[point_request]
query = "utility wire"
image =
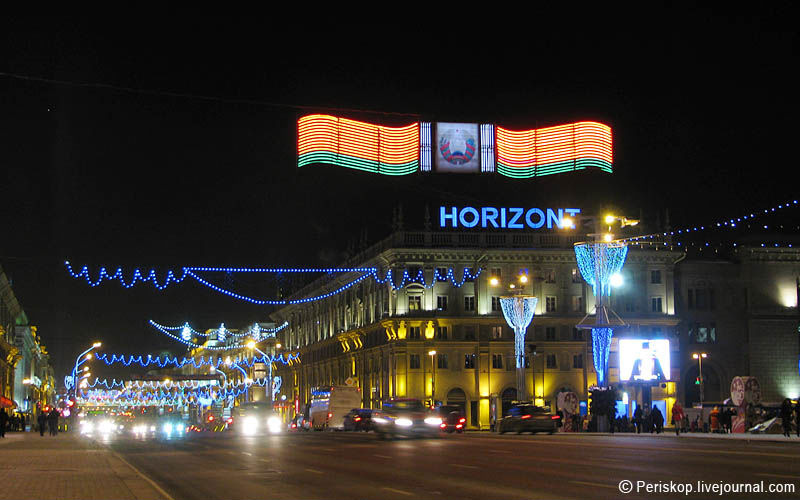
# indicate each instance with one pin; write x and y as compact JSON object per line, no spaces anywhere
{"x":106,"y":86}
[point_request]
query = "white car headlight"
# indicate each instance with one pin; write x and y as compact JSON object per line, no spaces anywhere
{"x":249,"y":425}
{"x":380,"y":420}
{"x":106,"y":427}
{"x":168,"y":428}
{"x":274,"y":424}
{"x":404,"y":422}
{"x":152,"y":428}
{"x":433,"y":421}
{"x":87,"y":427}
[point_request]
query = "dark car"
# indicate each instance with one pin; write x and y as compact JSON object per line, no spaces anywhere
{"x":406,"y":417}
{"x":529,"y":418}
{"x":358,"y":419}
{"x":453,"y":418}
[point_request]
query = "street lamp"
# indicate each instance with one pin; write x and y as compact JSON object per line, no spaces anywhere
{"x":699,"y":356}
{"x":79,"y":362}
{"x":432,"y":354}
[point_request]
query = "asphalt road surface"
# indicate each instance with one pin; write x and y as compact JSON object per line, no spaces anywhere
{"x":480,"y":466}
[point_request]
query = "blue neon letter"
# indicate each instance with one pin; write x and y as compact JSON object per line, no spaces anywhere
{"x":443,"y":216}
{"x":489,"y":214}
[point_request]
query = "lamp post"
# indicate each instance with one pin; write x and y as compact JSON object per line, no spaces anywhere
{"x":432,"y":354}
{"x":229,"y":364}
{"x":699,"y":356}
{"x":79,"y":362}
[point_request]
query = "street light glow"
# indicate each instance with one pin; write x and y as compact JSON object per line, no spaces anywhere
{"x":494,"y":281}
{"x":523,"y":278}
{"x":251,"y":344}
{"x":432,"y":353}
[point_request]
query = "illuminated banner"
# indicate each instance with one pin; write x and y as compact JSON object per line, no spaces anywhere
{"x":643,"y":360}
{"x":503,"y":218}
{"x":459,"y":147}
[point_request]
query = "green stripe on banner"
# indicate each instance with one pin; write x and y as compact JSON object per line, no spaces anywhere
{"x":358,"y":163}
{"x":553,"y":168}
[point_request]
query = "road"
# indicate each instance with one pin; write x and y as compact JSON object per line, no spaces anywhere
{"x":480,"y":466}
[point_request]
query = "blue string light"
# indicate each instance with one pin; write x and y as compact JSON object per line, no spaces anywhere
{"x":199,"y":362}
{"x":601,"y":347}
{"x":365,"y":272}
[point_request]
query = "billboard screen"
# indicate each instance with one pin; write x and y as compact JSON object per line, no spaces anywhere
{"x":457,"y":148}
{"x":643,"y":360}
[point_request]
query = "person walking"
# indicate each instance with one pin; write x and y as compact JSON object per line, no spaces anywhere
{"x":786,"y":417}
{"x":3,"y":422}
{"x":797,"y":417}
{"x":637,"y":419}
{"x":52,"y":422}
{"x":677,"y":417}
{"x":658,"y":419}
{"x":41,"y":420}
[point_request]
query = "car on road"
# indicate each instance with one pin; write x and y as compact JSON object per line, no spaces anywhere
{"x":330,"y":404}
{"x":453,"y":418}
{"x":257,"y":418}
{"x":406,"y":417}
{"x":358,"y":419}
{"x":299,"y":423}
{"x":526,"y":417}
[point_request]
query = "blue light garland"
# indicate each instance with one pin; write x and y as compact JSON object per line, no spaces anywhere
{"x":598,"y":262}
{"x":601,"y":347}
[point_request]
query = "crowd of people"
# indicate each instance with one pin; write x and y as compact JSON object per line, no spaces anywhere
{"x":46,"y":420}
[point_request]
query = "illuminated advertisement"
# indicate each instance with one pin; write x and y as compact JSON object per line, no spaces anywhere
{"x":457,"y":148}
{"x":504,"y":218}
{"x":643,"y":360}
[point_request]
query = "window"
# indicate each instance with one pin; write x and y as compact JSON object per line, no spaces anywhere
{"x":441,"y":302}
{"x":550,"y":333}
{"x":469,"y":333}
{"x":550,"y":304}
{"x":413,"y":361}
{"x":655,"y":277}
{"x":703,"y":334}
{"x":469,"y":361}
{"x":441,"y":332}
{"x":441,"y":274}
{"x":413,"y":272}
{"x":511,"y":363}
{"x":414,"y":302}
{"x":550,"y":276}
{"x":413,"y":333}
{"x":577,"y":360}
{"x":497,"y":272}
{"x":497,"y":332}
{"x":656,"y":304}
{"x":469,"y":303}
{"x":496,"y":304}
{"x":497,"y":361}
{"x":551,"y":361}
{"x":441,"y":361}
{"x":576,"y":275}
{"x":630,"y":306}
{"x":701,"y":299}
{"x":577,"y":303}
{"x":577,"y":334}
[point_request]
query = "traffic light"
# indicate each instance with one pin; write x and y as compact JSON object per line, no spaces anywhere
{"x":697,"y":381}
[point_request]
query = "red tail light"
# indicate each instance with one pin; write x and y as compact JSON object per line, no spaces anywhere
{"x":294,"y":426}
{"x":525,"y":416}
{"x":443,"y":426}
{"x":330,"y":415}
{"x":555,"y":417}
{"x":357,"y":419}
{"x":230,"y":420}
{"x":462,"y":420}
{"x":458,"y":426}
{"x":211,"y":418}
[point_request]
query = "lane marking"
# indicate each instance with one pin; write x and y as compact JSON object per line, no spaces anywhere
{"x":464,"y":466}
{"x":396,"y":491}
{"x":137,"y":471}
{"x":315,"y":471}
{"x":248,"y":454}
{"x":383,"y":456}
{"x":598,"y":485}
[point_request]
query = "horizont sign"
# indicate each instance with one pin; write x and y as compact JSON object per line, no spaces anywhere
{"x":504,"y":218}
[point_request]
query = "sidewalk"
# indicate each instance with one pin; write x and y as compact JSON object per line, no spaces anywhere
{"x":67,"y":466}
{"x":670,"y":434}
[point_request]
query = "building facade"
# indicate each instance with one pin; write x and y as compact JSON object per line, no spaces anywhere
{"x":382,"y":337}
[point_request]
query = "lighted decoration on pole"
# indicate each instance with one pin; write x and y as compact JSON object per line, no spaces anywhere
{"x":598,"y":262}
{"x":518,"y":311}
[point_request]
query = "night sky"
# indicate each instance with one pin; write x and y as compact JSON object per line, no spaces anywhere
{"x":173,"y":143}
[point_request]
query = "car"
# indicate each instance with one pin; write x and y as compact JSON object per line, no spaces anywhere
{"x":298,"y":423}
{"x":257,"y":418}
{"x":526,"y":417}
{"x":406,"y":417}
{"x":453,"y":418}
{"x":358,"y":419}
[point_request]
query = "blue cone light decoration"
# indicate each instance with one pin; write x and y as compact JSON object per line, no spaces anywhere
{"x":518,"y":311}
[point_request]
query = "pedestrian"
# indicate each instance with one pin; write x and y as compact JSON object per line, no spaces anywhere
{"x":3,"y":422}
{"x":658,"y":419}
{"x":41,"y":421}
{"x":637,"y":419}
{"x":612,"y":418}
{"x":786,"y":417}
{"x":52,"y":422}
{"x":677,"y":417}
{"x":797,"y":417}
